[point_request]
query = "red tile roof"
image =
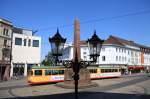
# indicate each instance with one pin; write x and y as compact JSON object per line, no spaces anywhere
{"x":120,"y":41}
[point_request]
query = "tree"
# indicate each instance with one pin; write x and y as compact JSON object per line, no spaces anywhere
{"x":49,"y":60}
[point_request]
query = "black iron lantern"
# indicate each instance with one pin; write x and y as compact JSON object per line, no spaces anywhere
{"x":57,"y":44}
{"x":95,"y":44}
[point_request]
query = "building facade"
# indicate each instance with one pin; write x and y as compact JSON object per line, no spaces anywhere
{"x":26,"y":51}
{"x":5,"y":48}
{"x":128,"y":55}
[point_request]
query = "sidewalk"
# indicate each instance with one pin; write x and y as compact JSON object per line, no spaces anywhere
{"x":128,"y":87}
{"x":133,"y":75}
{"x":13,"y":82}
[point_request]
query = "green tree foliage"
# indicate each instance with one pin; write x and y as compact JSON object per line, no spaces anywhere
{"x":49,"y":60}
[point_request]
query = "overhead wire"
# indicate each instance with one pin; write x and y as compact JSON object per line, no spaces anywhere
{"x":95,"y":20}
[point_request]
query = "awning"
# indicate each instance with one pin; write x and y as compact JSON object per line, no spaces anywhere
{"x":136,"y":67}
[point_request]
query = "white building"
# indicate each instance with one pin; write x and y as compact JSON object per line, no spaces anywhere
{"x":115,"y":51}
{"x":26,"y":51}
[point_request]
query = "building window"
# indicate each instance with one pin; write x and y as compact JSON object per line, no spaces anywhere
{"x":85,"y":58}
{"x":5,"y":32}
{"x":103,"y":49}
{"x":103,"y":58}
{"x":119,"y":49}
{"x":124,"y":50}
{"x":116,"y":49}
{"x":116,"y":58}
{"x":125,"y":59}
{"x":119,"y":58}
{"x":84,"y":48}
{"x":35,"y":43}
{"x":25,"y":41}
{"x":132,"y":54}
{"x":29,"y":42}
{"x":84,"y":52}
{"x":5,"y":42}
{"x":18,"y":41}
{"x":122,"y":58}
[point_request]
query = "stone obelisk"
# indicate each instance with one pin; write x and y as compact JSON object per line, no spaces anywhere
{"x":84,"y":74}
{"x":77,"y":39}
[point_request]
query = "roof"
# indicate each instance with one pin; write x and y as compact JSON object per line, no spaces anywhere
{"x":22,"y":31}
{"x":5,"y":21}
{"x":120,"y":41}
{"x":123,"y":42}
{"x":17,"y":30}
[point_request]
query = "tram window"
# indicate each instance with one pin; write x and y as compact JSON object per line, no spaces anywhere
{"x":61,"y":71}
{"x":55,"y":72}
{"x":109,"y":70}
{"x":112,"y":70}
{"x":102,"y":70}
{"x":48,"y":72}
{"x":116,"y":70}
{"x":38,"y":72}
{"x":93,"y":70}
{"x":90,"y":70}
{"x":106,"y":70}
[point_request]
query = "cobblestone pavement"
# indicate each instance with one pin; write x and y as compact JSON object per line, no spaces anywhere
{"x":126,"y":87}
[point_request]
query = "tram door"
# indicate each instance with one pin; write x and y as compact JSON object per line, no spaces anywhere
{"x":18,"y":70}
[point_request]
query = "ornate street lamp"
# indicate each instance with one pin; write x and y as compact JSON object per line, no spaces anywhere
{"x":57,"y":43}
{"x":94,"y":44}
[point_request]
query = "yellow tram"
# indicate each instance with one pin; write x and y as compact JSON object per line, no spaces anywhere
{"x":47,"y":74}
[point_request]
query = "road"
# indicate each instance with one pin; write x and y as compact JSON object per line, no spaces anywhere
{"x":130,"y":87}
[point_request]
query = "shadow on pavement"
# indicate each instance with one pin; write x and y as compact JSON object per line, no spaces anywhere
{"x":88,"y":95}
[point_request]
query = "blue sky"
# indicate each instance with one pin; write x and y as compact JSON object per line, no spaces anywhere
{"x":46,"y":15}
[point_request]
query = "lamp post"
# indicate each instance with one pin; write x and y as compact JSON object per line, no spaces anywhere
{"x":57,"y":45}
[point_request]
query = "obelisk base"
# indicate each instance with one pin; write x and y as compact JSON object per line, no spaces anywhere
{"x":84,"y":79}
